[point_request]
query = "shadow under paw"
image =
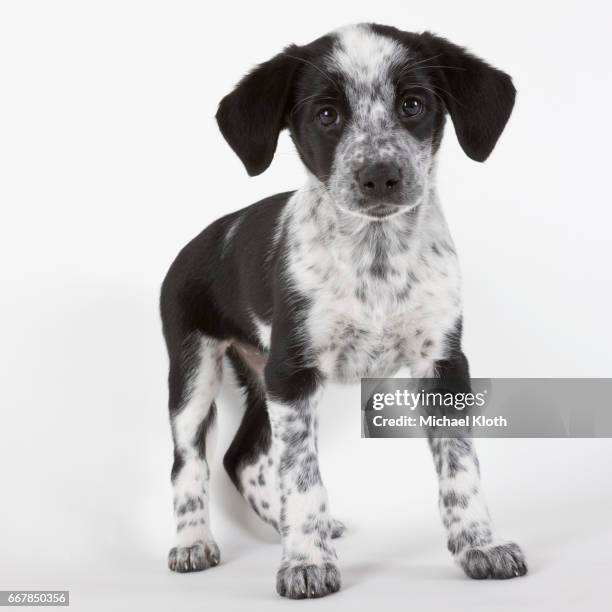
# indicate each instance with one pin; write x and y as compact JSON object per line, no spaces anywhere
{"x":499,"y":561}
{"x":195,"y":558}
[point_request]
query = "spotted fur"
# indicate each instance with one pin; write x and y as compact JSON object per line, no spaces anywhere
{"x":193,"y":422}
{"x":353,"y":275}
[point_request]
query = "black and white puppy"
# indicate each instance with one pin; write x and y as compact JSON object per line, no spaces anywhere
{"x":353,"y":275}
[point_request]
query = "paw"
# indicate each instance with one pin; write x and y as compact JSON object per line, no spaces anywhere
{"x":338,"y":529}
{"x":493,"y":561}
{"x":196,"y":558}
{"x":307,"y":581}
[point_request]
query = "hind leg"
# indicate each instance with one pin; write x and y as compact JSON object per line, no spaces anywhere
{"x":249,"y":460}
{"x":195,"y":377}
{"x":249,"y":463}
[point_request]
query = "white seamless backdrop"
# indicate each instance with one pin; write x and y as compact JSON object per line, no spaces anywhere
{"x":110,"y":161}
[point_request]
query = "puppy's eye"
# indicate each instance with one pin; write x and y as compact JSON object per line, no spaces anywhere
{"x":412,"y":107}
{"x":328,"y":116}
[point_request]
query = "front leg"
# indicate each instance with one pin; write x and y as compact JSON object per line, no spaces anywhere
{"x":462,"y":505}
{"x":308,"y":566}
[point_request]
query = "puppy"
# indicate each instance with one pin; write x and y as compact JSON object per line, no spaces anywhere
{"x":353,"y":275}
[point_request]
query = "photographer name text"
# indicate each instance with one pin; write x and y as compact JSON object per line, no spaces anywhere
{"x":443,"y":421}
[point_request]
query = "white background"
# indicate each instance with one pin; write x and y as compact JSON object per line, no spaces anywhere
{"x":110,"y":161}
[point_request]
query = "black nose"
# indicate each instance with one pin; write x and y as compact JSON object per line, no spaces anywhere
{"x":379,"y":181}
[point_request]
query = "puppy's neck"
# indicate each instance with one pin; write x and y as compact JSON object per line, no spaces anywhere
{"x":328,"y":246}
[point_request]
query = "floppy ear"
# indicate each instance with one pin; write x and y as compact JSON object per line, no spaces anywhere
{"x":478,"y":97}
{"x":252,"y":116}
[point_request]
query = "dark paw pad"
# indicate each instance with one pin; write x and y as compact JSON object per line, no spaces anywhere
{"x":196,"y":558}
{"x":307,"y":581}
{"x":494,"y":561}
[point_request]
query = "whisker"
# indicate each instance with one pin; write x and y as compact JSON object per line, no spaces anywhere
{"x":313,"y":96}
{"x":448,"y":93}
{"x":419,"y":86}
{"x":308,"y":99}
{"x":309,"y":63}
{"x":438,"y":87}
{"x":441,"y":66}
{"x":428,"y":59}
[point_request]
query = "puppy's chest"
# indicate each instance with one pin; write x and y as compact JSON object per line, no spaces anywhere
{"x":364,"y":325}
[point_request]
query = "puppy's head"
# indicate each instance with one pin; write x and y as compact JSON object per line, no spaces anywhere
{"x":365,"y":107}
